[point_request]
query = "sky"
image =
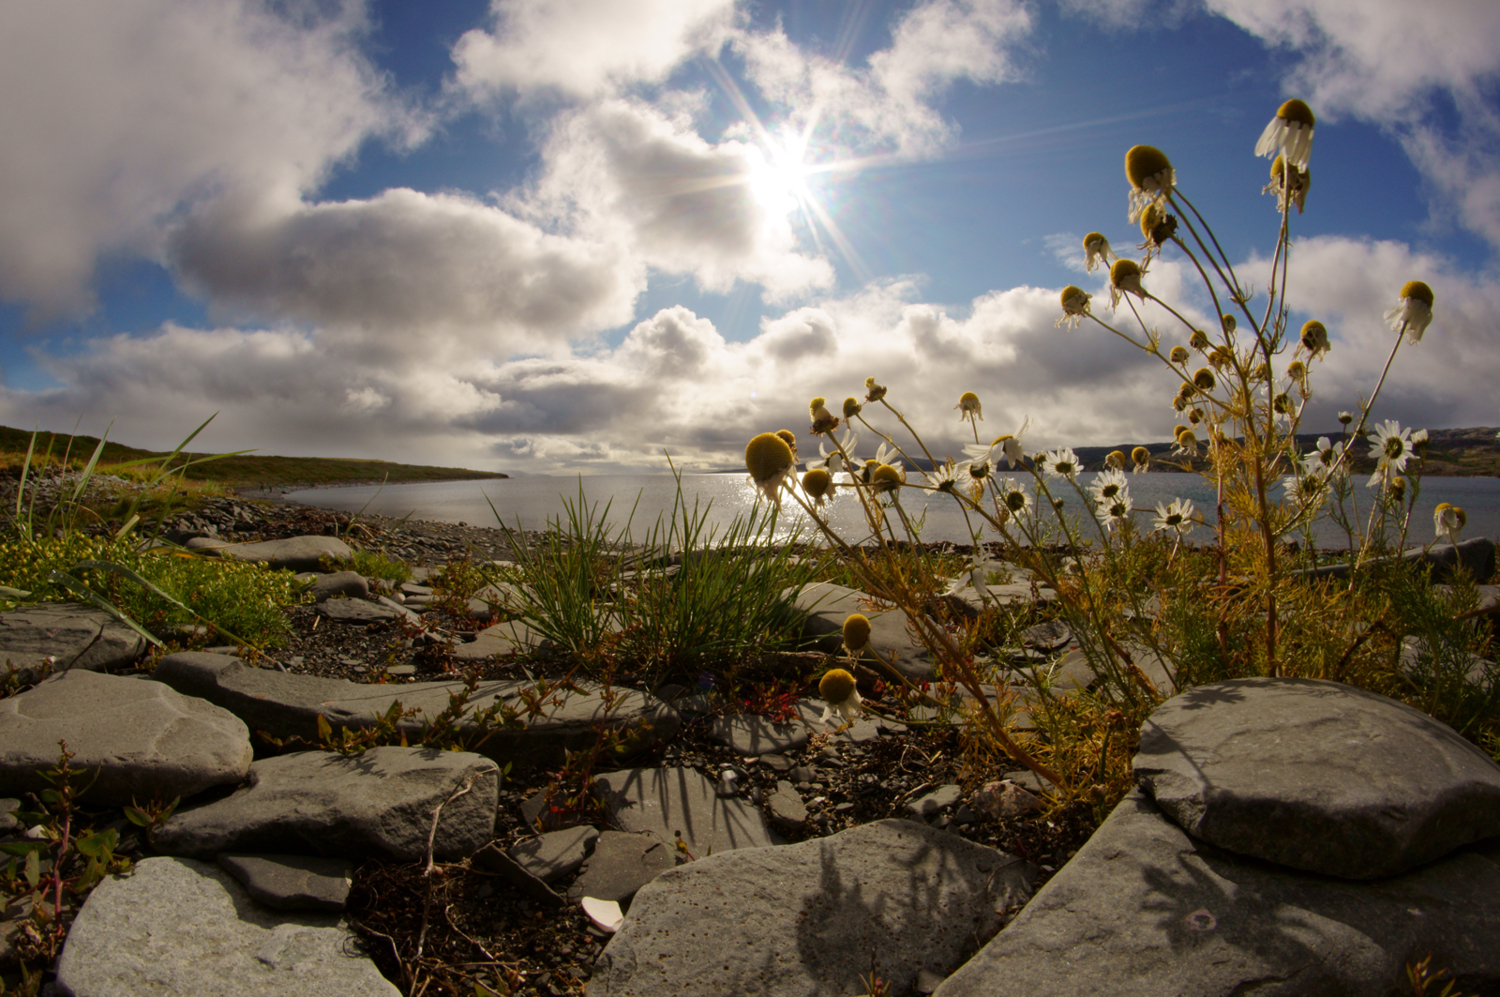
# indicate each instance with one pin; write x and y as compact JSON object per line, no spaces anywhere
{"x":578,"y":236}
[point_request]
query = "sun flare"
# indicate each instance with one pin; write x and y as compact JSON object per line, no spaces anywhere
{"x":778,"y":178}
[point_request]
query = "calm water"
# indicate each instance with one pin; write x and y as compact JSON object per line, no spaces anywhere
{"x":532,"y":502}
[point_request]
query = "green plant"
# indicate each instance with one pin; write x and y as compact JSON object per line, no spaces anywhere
{"x":371,"y":564}
{"x":50,"y":877}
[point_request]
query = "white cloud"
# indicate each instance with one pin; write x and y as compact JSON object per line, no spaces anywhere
{"x":888,"y":106}
{"x":621,"y":172}
{"x":469,"y":275}
{"x":587,"y":47}
{"x":1397,"y":64}
{"x":118,"y":114}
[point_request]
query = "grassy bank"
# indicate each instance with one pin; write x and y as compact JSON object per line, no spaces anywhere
{"x":243,"y":471}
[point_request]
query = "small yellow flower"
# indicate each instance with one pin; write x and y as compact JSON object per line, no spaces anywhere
{"x":873,"y":392}
{"x":968,"y":406}
{"x":1414,"y":314}
{"x":1141,"y":458}
{"x":1097,"y":251}
{"x":1151,"y":177}
{"x":852,"y":407}
{"x":823,"y":421}
{"x":1198,"y":340}
{"x":1125,"y":278}
{"x":856,"y":633}
{"x":840,"y":695}
{"x":818,"y":484}
{"x":769,"y":460}
{"x":1179,"y":355}
{"x":1290,"y":133}
{"x":1115,"y":459}
{"x":1315,"y":338}
{"x":1075,"y":305}
{"x":1289,"y":184}
{"x":886,"y":479}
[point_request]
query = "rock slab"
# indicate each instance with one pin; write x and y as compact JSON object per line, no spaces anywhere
{"x":59,"y":636}
{"x":811,"y":918}
{"x":663,"y":803}
{"x":1317,"y":775}
{"x":144,"y":739}
{"x":178,"y":928}
{"x":1144,"y":910}
{"x":293,"y":882}
{"x":378,"y":804}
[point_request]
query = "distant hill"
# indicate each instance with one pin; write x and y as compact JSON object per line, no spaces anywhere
{"x":247,"y":470}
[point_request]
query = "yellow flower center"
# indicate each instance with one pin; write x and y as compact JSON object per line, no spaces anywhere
{"x":1298,"y":111}
{"x":1143,"y":166}
{"x":836,"y":685}
{"x":1418,"y":291}
{"x":856,"y":635}
{"x":766,"y":456}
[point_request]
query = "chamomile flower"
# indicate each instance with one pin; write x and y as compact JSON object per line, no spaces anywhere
{"x":1157,"y":228}
{"x":1125,"y":278}
{"x":1289,"y":184}
{"x":1176,"y":516}
{"x":1151,"y":177}
{"x":887,"y":480}
{"x":873,"y":392}
{"x":1307,"y":489}
{"x":1289,"y":134}
{"x":769,"y":460}
{"x":1187,"y":443}
{"x":1448,"y":520}
{"x":1063,"y":463}
{"x":1109,"y":485}
{"x":823,"y":421}
{"x":971,"y":475}
{"x":1346,"y":417}
{"x":1326,"y":459}
{"x":943,"y":478}
{"x":1315,"y":339}
{"x":834,"y":461}
{"x":1097,"y":251}
{"x":969,"y":408}
{"x":817,"y":483}
{"x":1006,"y":447}
{"x":1115,"y":459}
{"x":852,"y":408}
{"x":1014,"y":499}
{"x":1140,"y":457}
{"x":856,"y":633}
{"x":840,"y":695}
{"x":1414,"y":314}
{"x":1075,"y":306}
{"x":1391,"y":446}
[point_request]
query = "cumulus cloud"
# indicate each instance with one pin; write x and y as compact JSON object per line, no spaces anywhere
{"x":587,"y":47}
{"x":119,"y":114}
{"x":467,"y":274}
{"x":888,"y":106}
{"x":623,"y":172}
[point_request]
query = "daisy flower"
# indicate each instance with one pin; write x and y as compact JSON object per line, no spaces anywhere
{"x":834,"y":460}
{"x":1063,"y":463}
{"x":1289,"y":184}
{"x":1308,"y":489}
{"x":769,"y":460}
{"x":944,"y":478}
{"x":972,"y":474}
{"x":1326,"y":458}
{"x":1075,"y":306}
{"x":1006,"y":447}
{"x":1392,"y":446}
{"x":823,"y":421}
{"x":1125,"y":278}
{"x":1014,"y":499}
{"x":840,"y":695}
{"x":1115,"y":459}
{"x":1098,"y":252}
{"x":1448,"y":520}
{"x":1109,"y":485}
{"x":856,"y":633}
{"x":1112,"y":505}
{"x":1151,"y":177}
{"x":873,"y":392}
{"x":1346,"y":417}
{"x":818,"y":484}
{"x":1414,"y":314}
{"x":1140,"y":457}
{"x":1187,"y":443}
{"x":1176,"y":516}
{"x":1315,"y":338}
{"x":1290,"y":134}
{"x":969,"y":408}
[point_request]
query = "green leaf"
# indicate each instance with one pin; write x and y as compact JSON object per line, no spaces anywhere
{"x":325,"y":730}
{"x":33,"y":870}
{"x":98,"y":844}
{"x":22,"y":847}
{"x":137,"y":816}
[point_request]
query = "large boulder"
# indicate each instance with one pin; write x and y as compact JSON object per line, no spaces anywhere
{"x":293,"y":553}
{"x":178,"y":928}
{"x":378,"y":804}
{"x":894,"y":898}
{"x":140,"y":738}
{"x":1144,"y":910}
{"x":1317,"y":775}
{"x":681,"y":803}
{"x":57,"y":636}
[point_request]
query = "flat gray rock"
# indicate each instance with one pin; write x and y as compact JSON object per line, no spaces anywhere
{"x":556,"y":854}
{"x":829,"y":605}
{"x":378,"y":804}
{"x":662,"y":802}
{"x":349,"y":583}
{"x":178,"y":928}
{"x":1317,"y":775}
{"x":785,"y":805}
{"x":1144,"y":910}
{"x":70,"y":635}
{"x":143,"y":738}
{"x":292,"y":553}
{"x":812,"y":918}
{"x":1072,"y":671}
{"x":503,"y":640}
{"x":357,"y":611}
{"x":621,"y":864}
{"x":293,"y":882}
{"x":285,"y":706}
{"x":931,"y":804}
{"x":748,"y":734}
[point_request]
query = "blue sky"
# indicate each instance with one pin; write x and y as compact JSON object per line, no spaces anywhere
{"x":552,"y":236}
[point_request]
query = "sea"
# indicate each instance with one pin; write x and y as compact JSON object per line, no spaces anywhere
{"x":636,"y":502}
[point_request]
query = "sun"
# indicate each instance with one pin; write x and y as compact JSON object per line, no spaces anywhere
{"x":778,"y":175}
